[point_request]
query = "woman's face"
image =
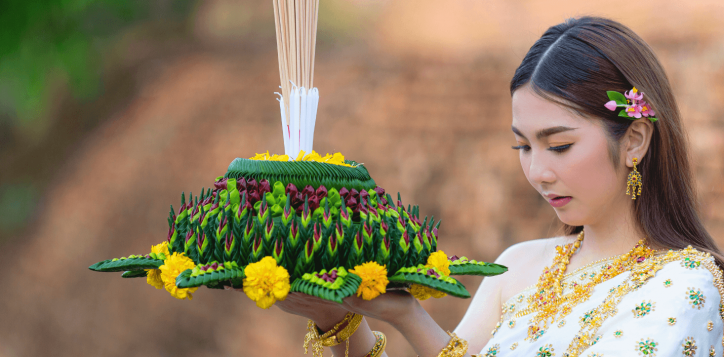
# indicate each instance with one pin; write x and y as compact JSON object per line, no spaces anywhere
{"x":566,"y":159}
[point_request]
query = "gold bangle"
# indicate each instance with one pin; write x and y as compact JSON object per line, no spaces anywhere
{"x":455,"y":348}
{"x":333,"y":337}
{"x":379,"y":346}
{"x":343,"y":334}
{"x":334,"y":330}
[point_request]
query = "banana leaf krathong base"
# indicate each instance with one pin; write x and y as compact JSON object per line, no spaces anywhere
{"x":303,"y":226}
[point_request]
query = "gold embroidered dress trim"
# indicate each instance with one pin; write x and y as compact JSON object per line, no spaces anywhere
{"x":638,"y":277}
{"x":515,"y":306}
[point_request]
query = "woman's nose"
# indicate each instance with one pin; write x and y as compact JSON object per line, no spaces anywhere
{"x":539,"y":170}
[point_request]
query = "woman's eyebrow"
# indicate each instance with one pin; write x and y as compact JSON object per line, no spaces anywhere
{"x":544,"y":132}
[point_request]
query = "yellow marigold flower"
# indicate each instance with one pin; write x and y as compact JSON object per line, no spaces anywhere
{"x":160,"y":248}
{"x":265,"y":282}
{"x":266,"y":156}
{"x":440,"y":261}
{"x":374,"y":280}
{"x":153,"y":277}
{"x":171,"y":268}
{"x":437,"y":260}
{"x":421,"y":292}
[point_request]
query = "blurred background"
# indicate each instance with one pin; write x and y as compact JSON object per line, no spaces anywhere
{"x":109,"y":110}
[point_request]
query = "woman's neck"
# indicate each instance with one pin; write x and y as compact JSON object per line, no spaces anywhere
{"x":614,"y":234}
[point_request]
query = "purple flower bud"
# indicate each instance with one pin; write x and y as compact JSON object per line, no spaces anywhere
{"x":355,"y":193}
{"x":367,"y":229}
{"x":433,"y":272}
{"x":344,"y":192}
{"x":308,"y":191}
{"x":453,"y":258}
{"x":298,"y":202}
{"x":313,"y":203}
{"x":215,"y":265}
{"x":291,"y":189}
{"x":221,"y":184}
{"x":200,"y":240}
{"x":229,"y":241}
{"x":252,"y":186}
{"x":359,"y":241}
{"x":264,"y":187}
{"x":352,"y":203}
{"x":362,"y":208}
{"x":253,"y":197}
{"x":380,"y":191}
{"x":386,"y":242}
{"x":317,"y":233}
{"x":321,"y":192}
{"x":364,"y":194}
{"x":241,"y":184}
{"x":223,"y":222}
{"x":171,"y":230}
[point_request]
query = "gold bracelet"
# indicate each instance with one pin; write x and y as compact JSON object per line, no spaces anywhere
{"x":334,"y":330}
{"x":455,"y":348}
{"x":343,"y":334}
{"x":379,"y":346}
{"x":313,"y":337}
{"x":332,"y":337}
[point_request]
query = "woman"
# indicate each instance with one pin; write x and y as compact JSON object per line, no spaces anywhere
{"x":621,"y":280}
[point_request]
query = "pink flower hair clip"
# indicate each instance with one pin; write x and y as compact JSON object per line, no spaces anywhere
{"x":633,"y":101}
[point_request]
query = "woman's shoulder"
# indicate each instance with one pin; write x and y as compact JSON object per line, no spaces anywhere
{"x":671,"y":303}
{"x":525,"y":262}
{"x":688,"y":263}
{"x":684,"y":280}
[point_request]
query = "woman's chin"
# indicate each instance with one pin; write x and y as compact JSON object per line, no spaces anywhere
{"x":571,"y":219}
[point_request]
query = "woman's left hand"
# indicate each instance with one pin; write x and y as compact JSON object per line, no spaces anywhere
{"x":324,"y":313}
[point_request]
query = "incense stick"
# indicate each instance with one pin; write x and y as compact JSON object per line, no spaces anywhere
{"x":296,"y":32}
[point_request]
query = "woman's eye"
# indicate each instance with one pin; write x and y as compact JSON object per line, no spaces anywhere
{"x":561,"y":148}
{"x":524,"y":147}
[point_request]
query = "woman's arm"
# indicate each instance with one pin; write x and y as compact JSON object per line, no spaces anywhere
{"x":427,"y":338}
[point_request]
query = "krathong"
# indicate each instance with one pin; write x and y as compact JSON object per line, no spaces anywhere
{"x":299,"y":222}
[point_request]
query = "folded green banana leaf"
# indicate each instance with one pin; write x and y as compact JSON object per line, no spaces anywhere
{"x":419,"y":275}
{"x":333,"y":285}
{"x":134,"y":274}
{"x":463,"y":266}
{"x":212,"y":275}
{"x":134,"y":262}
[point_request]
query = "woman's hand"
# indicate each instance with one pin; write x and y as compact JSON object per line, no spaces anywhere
{"x":324,"y":313}
{"x":393,"y":307}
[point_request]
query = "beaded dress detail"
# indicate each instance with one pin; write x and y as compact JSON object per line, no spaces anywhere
{"x":666,"y":303}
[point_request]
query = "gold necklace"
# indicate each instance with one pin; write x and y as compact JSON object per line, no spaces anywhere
{"x":548,"y":299}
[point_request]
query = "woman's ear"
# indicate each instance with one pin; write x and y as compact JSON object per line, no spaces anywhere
{"x":638,"y":138}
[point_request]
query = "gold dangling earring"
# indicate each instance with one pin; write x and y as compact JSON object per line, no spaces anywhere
{"x":634,"y":182}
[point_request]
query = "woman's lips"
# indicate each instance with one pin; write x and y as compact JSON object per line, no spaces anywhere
{"x":559,"y":201}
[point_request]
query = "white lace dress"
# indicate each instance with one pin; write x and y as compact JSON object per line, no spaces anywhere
{"x":669,"y":305}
